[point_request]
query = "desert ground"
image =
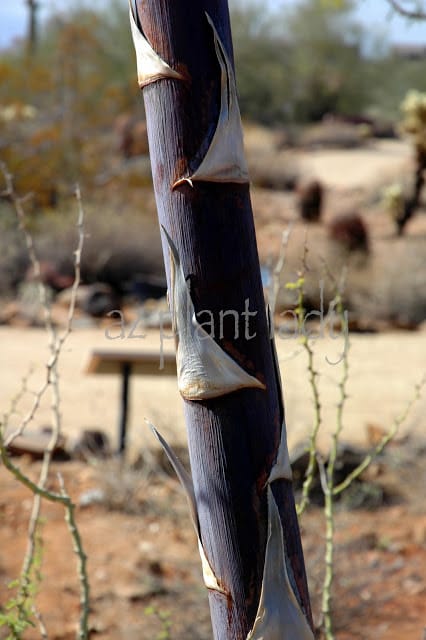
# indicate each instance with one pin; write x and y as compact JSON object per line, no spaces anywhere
{"x":384,"y":370}
{"x":145,"y":576}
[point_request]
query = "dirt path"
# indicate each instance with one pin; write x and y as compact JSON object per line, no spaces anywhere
{"x":139,"y":540}
{"x":357,"y":168}
{"x":384,"y":369}
{"x":144,"y":568}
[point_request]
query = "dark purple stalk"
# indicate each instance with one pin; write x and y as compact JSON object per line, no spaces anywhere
{"x":234,"y":438}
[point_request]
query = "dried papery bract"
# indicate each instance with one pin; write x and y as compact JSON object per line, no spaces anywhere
{"x":224,"y":160}
{"x":150,"y":66}
{"x":182,"y":474}
{"x":210,"y":580}
{"x":282,"y":467}
{"x":204,"y":369}
{"x":279,"y":615}
{"x":209,"y":577}
{"x":25,"y":583}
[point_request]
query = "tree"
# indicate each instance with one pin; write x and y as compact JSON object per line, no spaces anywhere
{"x":326,"y":44}
{"x":240,"y":489}
{"x":413,"y":10}
{"x":32,"y":37}
{"x":299,"y":63}
{"x":263,"y":64}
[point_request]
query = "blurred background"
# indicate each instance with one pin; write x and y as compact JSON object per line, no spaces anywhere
{"x":321,"y":84}
{"x":333,"y":101}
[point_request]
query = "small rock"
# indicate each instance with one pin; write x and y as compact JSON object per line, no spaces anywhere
{"x":91,"y":443}
{"x":414,"y":585}
{"x":100,"y":300}
{"x":90,"y":497}
{"x":145,"y":547}
{"x":94,"y":299}
{"x":138,"y":592}
{"x":97,"y":626}
{"x":363,"y":542}
{"x":349,"y":231}
{"x":9,"y":312}
{"x":35,"y":443}
{"x":156,"y":568}
{"x":311,"y":198}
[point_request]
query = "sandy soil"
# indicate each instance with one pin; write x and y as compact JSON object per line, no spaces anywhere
{"x":140,"y":544}
{"x":384,"y":369}
{"x":383,"y":160}
{"x":142,"y":553}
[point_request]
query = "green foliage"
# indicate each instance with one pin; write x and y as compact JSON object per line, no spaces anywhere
{"x":293,"y":65}
{"x":17,"y":614}
{"x":164,"y":620}
{"x":326,"y":43}
{"x":300,"y":63}
{"x":393,"y":200}
{"x":262,"y":62}
{"x":390,"y":79}
{"x":332,"y":489}
{"x":57,"y":108}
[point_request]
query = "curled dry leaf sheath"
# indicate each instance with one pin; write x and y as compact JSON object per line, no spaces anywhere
{"x":209,"y":577}
{"x":204,"y":369}
{"x":224,"y":160}
{"x":150,"y":67}
{"x":279,"y":616}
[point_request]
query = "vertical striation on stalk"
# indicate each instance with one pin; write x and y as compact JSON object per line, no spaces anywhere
{"x":227,"y":375}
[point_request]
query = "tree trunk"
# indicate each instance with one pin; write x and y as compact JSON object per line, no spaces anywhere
{"x":226,"y":368}
{"x":32,"y":36}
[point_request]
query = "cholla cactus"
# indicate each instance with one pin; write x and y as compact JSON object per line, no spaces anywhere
{"x":393,"y":200}
{"x":414,"y":124}
{"x":413,"y":108}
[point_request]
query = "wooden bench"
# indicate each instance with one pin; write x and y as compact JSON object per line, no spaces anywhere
{"x":126,"y":363}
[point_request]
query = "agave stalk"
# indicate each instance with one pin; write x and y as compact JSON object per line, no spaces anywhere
{"x":239,"y":489}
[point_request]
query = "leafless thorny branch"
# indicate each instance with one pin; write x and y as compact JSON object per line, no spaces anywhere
{"x":390,"y":435}
{"x":317,"y":422}
{"x":275,"y":285}
{"x":414,"y":14}
{"x":41,"y":625}
{"x":327,"y":482}
{"x":56,"y":343}
{"x":315,"y":461}
{"x":313,"y":375}
{"x":274,"y":290}
{"x":64,"y":499}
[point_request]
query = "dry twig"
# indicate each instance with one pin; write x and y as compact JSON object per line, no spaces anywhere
{"x":52,"y":381}
{"x":414,"y":14}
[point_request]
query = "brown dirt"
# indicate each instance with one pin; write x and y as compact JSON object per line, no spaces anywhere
{"x":148,"y":558}
{"x":139,"y":541}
